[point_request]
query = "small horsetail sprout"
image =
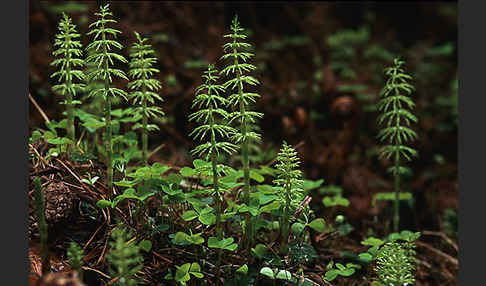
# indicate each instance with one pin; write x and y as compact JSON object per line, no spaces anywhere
{"x":124,"y":258}
{"x":75,"y":256}
{"x":69,"y":52}
{"x":144,"y":87}
{"x":395,"y":264}
{"x":40,"y":210}
{"x":237,"y":67}
{"x":394,"y":106}
{"x":289,"y":178}
{"x":103,"y":56}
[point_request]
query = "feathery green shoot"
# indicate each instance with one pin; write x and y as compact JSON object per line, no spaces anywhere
{"x":395,"y":105}
{"x":40,"y":213}
{"x":210,"y":103}
{"x":144,"y":87}
{"x":69,"y":60}
{"x":289,"y":178}
{"x":238,"y":69}
{"x":124,"y":258}
{"x":75,"y":256}
{"x":395,"y":264}
{"x":104,"y":42}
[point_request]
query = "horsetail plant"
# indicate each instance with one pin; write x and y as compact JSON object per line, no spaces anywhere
{"x":40,"y":213}
{"x":238,"y":68}
{"x":104,"y":57}
{"x":75,"y":256}
{"x":395,"y":264}
{"x":69,"y":60}
{"x":208,"y":97}
{"x":124,"y":258}
{"x":144,"y":87}
{"x":395,"y":105}
{"x":289,"y":179}
{"x":210,"y":102}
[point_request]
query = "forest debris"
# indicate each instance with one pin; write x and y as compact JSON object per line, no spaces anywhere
{"x":61,"y":279}
{"x":438,"y":252}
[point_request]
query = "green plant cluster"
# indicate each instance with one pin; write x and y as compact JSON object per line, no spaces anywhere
{"x":208,"y":205}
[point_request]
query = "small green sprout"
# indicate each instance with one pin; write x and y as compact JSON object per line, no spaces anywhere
{"x":289,"y":178}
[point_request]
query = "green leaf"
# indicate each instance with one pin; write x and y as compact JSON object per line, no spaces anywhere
{"x":371,"y":241}
{"x":259,"y":250}
{"x":104,"y":204}
{"x":180,"y":237}
{"x":207,"y":218}
{"x":297,"y":228}
{"x":173,"y":179}
{"x":284,"y":275}
{"x":337,"y":200}
{"x":267,"y":272}
{"x":256,"y":176}
{"x":366,"y":257}
{"x":189,"y":215}
{"x":409,"y":236}
{"x":264,"y":198}
{"x":188,"y":172}
{"x":126,"y":183}
{"x":242,"y":270}
{"x":59,"y":141}
{"x":318,"y":224}
{"x":275,"y":205}
{"x":145,"y":245}
{"x":182,"y":273}
{"x":309,"y":185}
{"x":331,"y":274}
{"x":226,"y":243}
{"x":195,"y":239}
{"x":198,"y":163}
{"x":159,"y":169}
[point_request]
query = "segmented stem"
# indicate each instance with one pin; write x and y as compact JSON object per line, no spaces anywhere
{"x":103,"y":56}
{"x":42,"y":225}
{"x":144,"y":88}
{"x":241,"y":100}
{"x":69,"y":50}
{"x":394,"y":105}
{"x":289,"y":178}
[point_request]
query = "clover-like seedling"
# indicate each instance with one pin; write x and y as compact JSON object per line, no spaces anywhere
{"x":238,"y":69}
{"x":395,"y":105}
{"x":144,"y":87}
{"x":289,"y":178}
{"x":103,"y":45}
{"x":70,"y":64}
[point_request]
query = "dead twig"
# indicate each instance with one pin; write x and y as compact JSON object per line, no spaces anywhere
{"x":443,"y":236}
{"x":449,"y":258}
{"x":46,"y":119}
